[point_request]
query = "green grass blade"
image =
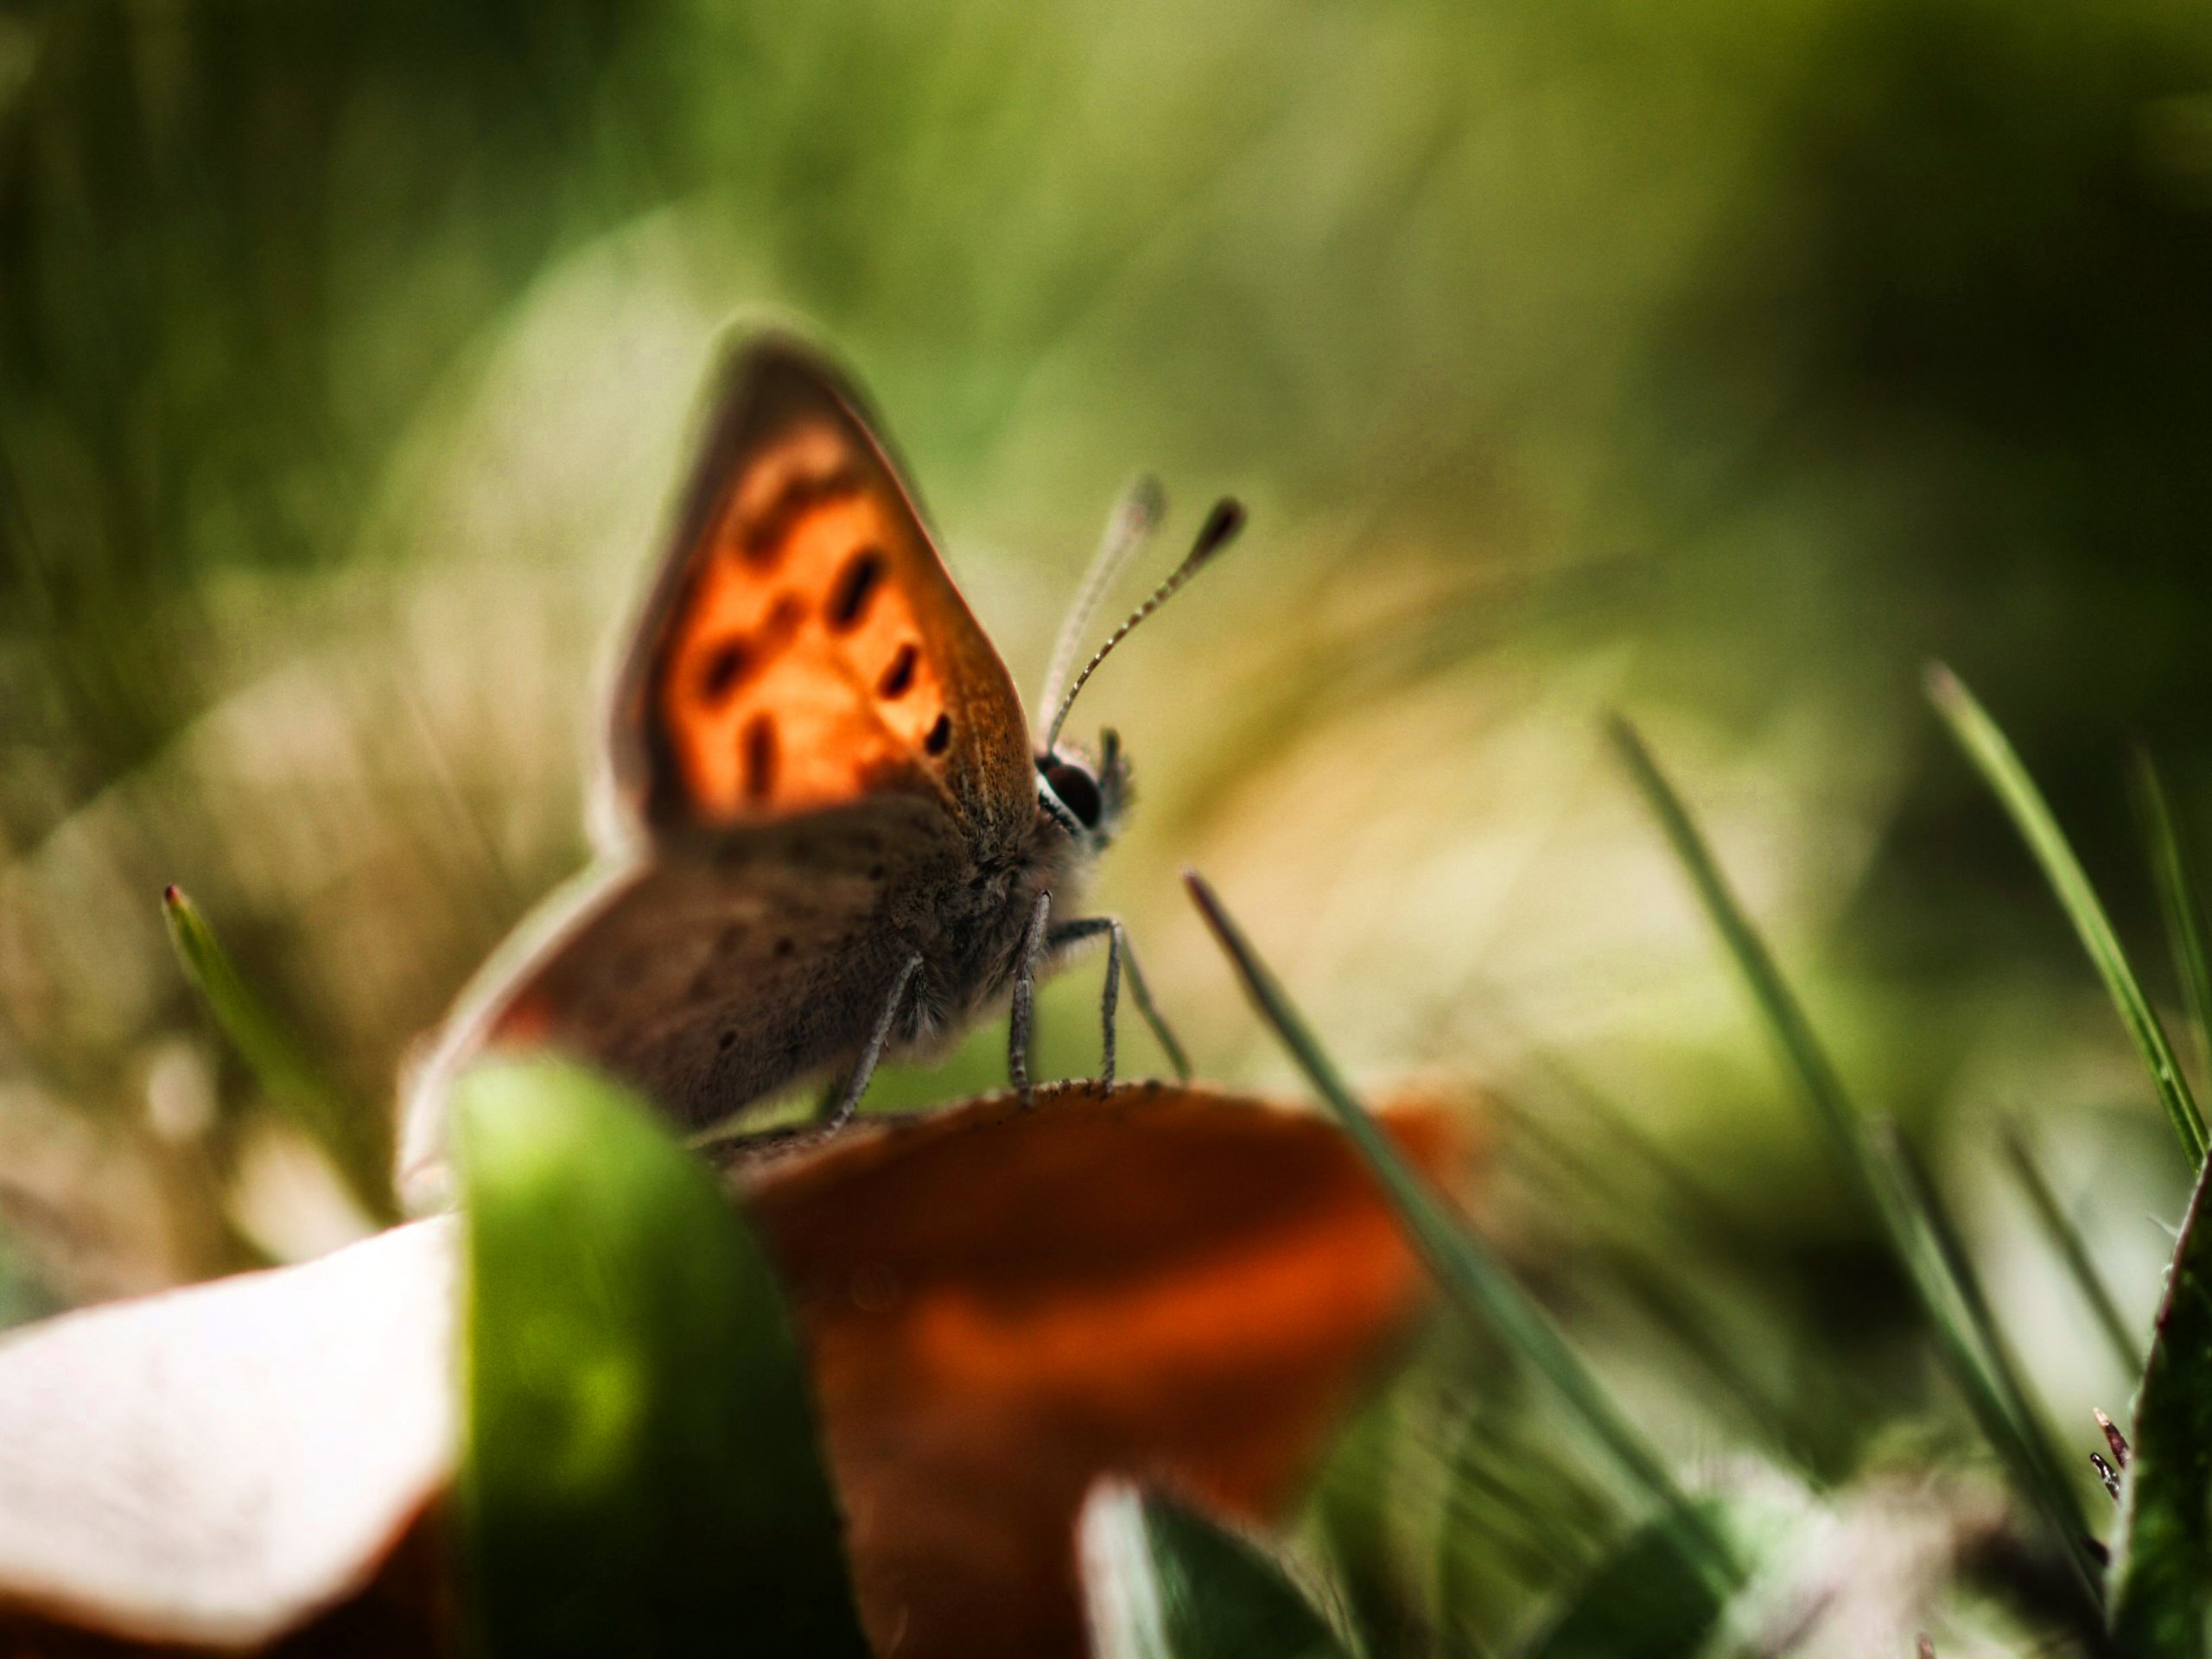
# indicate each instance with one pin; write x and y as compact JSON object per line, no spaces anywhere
{"x":1462,"y":1263}
{"x":1689,"y":1202}
{"x":2073,"y":1249}
{"x":351,"y":1137}
{"x":2162,"y":1557}
{"x":1785,"y":1021}
{"x":2002,"y":1416}
{"x":2178,"y":903}
{"x":1163,"y":1582}
{"x":2009,"y":1382}
{"x":1992,"y":755}
{"x":1657,"y":1277}
{"x":1657,"y":1289}
{"x":642,"y":1472}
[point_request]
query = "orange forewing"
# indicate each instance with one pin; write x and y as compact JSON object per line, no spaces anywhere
{"x":805,"y":645}
{"x":1002,"y":1305}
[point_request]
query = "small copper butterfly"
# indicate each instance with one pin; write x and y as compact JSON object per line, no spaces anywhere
{"x":833,"y":836}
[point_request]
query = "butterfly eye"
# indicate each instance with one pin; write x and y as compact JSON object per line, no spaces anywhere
{"x":1077,"y":789}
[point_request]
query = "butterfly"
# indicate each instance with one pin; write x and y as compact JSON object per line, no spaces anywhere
{"x":834,"y":838}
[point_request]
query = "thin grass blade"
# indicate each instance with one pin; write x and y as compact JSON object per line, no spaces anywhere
{"x":1463,"y":1264}
{"x":350,"y":1137}
{"x":1992,"y":755}
{"x":2178,"y":903}
{"x":2002,"y":1416}
{"x":2066,"y":1238}
{"x":2010,"y":1380}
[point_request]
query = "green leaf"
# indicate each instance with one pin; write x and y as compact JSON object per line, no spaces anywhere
{"x":642,"y":1472}
{"x":1647,"y":1601}
{"x":2001,"y":1409}
{"x":1163,"y":1582}
{"x":349,"y":1135}
{"x":1463,"y":1264}
{"x":2162,"y":1557}
{"x":1991,"y":754}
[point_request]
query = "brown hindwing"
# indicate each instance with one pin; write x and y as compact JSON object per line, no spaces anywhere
{"x":719,"y":975}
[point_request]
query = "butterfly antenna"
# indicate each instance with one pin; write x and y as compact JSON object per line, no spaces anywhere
{"x":1130,"y":525}
{"x":1218,"y":530}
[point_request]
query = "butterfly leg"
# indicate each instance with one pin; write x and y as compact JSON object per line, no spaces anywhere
{"x":838,"y":1107}
{"x":1118,"y":952}
{"x":1024,"y":998}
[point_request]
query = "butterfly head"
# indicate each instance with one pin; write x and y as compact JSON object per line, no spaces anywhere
{"x":1086,"y":797}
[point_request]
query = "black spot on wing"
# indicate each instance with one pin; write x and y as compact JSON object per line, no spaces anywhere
{"x":759,"y":757}
{"x":725,"y":665}
{"x":899,"y":675}
{"x":855,"y":589}
{"x":763,"y":539}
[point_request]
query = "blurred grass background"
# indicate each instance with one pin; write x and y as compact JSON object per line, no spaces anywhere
{"x":1721,"y":364}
